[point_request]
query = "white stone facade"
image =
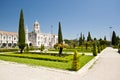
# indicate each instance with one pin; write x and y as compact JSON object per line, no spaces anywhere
{"x":34,"y":38}
{"x":8,"y":39}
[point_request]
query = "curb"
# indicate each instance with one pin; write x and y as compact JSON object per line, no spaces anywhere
{"x":82,"y":71}
{"x":86,"y":67}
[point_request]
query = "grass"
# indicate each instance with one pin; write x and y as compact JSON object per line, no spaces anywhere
{"x":8,"y":49}
{"x":79,"y":49}
{"x":37,"y":56}
{"x":35,"y":59}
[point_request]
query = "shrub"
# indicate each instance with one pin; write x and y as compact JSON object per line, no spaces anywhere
{"x":40,"y":57}
{"x":8,"y":50}
{"x":42,"y":47}
{"x":119,"y":50}
{"x":94,"y":49}
{"x":56,"y":46}
{"x":26,"y":48}
{"x":76,"y":62}
{"x":98,"y":48}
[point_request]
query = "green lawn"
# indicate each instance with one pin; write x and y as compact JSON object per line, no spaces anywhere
{"x":79,"y":49}
{"x":63,"y":62}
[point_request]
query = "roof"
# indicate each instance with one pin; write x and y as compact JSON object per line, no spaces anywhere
{"x":8,"y":33}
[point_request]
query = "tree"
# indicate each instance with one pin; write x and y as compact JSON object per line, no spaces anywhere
{"x":94,"y":49}
{"x":60,"y":48}
{"x":114,"y":38}
{"x":89,"y":37}
{"x":27,"y":48}
{"x":105,"y":38}
{"x":76,"y":61}
{"x":103,"y":43}
{"x":80,"y":40}
{"x":57,"y":46}
{"x":117,"y":40}
{"x":42,"y":47}
{"x":98,"y":45}
{"x":60,"y":40}
{"x":60,"y":34}
{"x":83,"y":38}
{"x":21,"y":33}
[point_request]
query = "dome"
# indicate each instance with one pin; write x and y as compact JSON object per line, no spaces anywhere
{"x":36,"y":22}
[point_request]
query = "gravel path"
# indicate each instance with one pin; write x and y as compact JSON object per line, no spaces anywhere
{"x":106,"y":68}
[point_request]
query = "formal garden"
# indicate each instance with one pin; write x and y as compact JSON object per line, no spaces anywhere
{"x":70,"y":55}
{"x":70,"y":59}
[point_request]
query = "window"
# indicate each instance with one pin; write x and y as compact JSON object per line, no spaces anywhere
{"x":4,"y":37}
{"x":9,"y":44}
{"x":9,"y":38}
{"x":14,"y":38}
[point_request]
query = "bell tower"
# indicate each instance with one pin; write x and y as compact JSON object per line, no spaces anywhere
{"x":36,"y":27}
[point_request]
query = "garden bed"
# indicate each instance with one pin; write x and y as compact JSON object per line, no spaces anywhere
{"x":63,"y":62}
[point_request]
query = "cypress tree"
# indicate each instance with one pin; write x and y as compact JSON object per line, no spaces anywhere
{"x":94,"y":49}
{"x":117,"y":40}
{"x":83,"y":38}
{"x":105,"y":38}
{"x":60,"y":40}
{"x":89,"y":37}
{"x":80,"y":40}
{"x":60,"y":34}
{"x":113,"y":38}
{"x":98,"y":48}
{"x":21,"y":33}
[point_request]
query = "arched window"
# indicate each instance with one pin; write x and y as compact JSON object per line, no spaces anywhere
{"x":9,"y":44}
{"x":4,"y":44}
{"x":4,"y":37}
{"x":14,"y":44}
{"x":30,"y":44}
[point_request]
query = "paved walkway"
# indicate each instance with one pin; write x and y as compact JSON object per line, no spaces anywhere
{"x":106,"y":68}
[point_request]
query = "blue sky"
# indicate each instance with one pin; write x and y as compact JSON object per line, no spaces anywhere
{"x":76,"y":16}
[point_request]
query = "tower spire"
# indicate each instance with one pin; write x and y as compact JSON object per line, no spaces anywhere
{"x":36,"y":27}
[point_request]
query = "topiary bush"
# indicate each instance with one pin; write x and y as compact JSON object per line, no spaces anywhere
{"x":76,"y":61}
{"x":98,"y":46}
{"x":94,"y":49}
{"x":42,"y":47}
{"x":26,"y":48}
{"x":119,"y":50}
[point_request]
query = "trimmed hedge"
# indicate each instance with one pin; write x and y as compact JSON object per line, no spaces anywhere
{"x":79,"y":49}
{"x":40,"y":57}
{"x":7,"y":50}
{"x":50,"y":54}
